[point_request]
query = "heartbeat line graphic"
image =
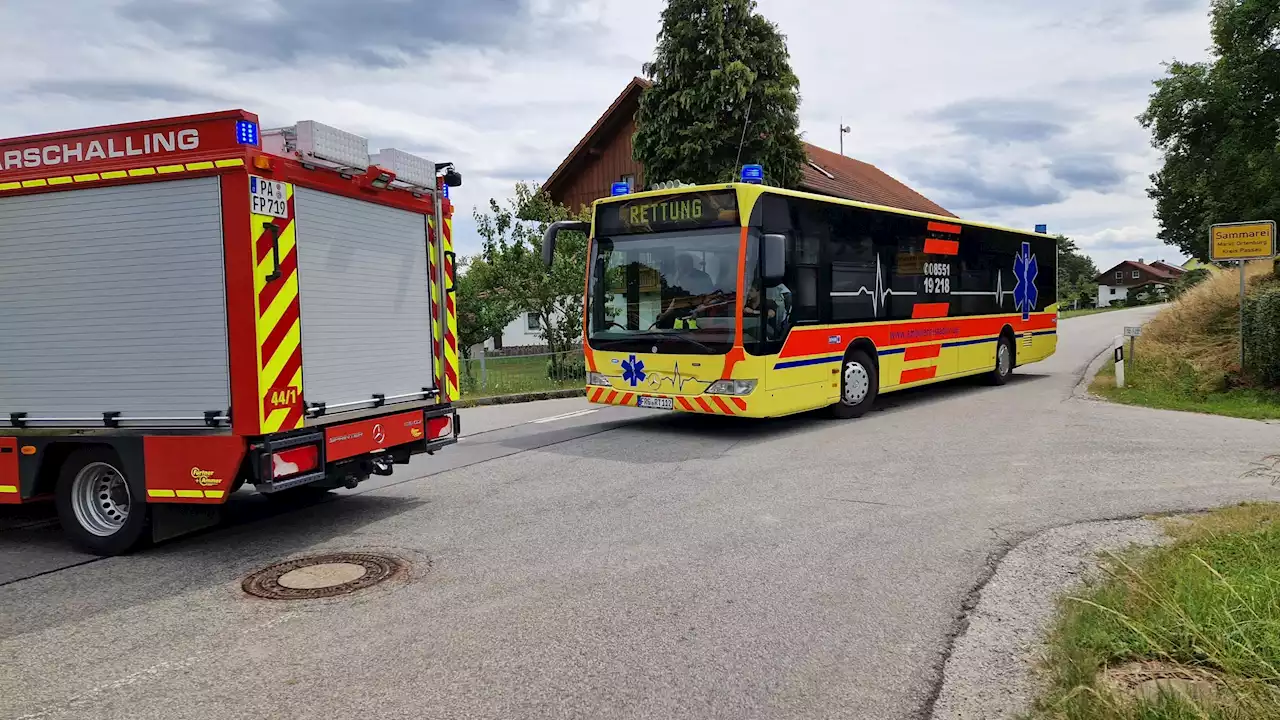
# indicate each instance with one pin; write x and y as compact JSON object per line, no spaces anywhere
{"x":676,"y":380}
{"x":878,"y":294}
{"x":1000,"y":293}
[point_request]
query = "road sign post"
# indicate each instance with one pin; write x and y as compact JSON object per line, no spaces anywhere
{"x":1242,"y":242}
{"x":1118,"y":351}
{"x":1241,"y":316}
{"x":1133,"y":333}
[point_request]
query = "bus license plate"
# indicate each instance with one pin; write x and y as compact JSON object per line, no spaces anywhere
{"x":656,"y":403}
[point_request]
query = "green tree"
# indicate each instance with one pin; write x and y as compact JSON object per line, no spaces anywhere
{"x":721,"y":76}
{"x":485,"y":304}
{"x":1076,"y":273}
{"x":1190,"y":279}
{"x":512,"y":248}
{"x":1217,"y":123}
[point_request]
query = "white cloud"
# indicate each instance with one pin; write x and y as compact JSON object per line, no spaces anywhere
{"x":1020,"y":111}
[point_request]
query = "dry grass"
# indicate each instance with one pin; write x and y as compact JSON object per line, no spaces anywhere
{"x":1194,"y":345}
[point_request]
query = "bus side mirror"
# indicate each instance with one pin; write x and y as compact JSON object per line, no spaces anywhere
{"x":775,"y":258}
{"x":549,"y":237}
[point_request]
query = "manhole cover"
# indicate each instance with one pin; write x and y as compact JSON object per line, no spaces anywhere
{"x":322,"y":576}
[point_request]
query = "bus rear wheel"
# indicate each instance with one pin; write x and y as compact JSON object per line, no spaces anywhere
{"x":103,"y":511}
{"x":859,"y":386}
{"x":1005,"y":360}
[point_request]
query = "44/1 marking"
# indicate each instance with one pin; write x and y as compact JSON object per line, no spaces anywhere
{"x":285,"y":398}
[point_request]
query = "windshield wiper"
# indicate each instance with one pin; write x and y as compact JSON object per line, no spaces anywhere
{"x":658,"y":336}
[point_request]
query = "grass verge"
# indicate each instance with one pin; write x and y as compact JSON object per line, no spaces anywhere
{"x":1188,"y":357}
{"x":1152,"y":389}
{"x":520,"y":374}
{"x":1064,"y":314}
{"x":1205,"y":608}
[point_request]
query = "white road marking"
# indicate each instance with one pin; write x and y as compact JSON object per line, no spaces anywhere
{"x":566,"y":416}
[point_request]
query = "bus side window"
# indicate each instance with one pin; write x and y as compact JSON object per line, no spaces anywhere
{"x":804,"y":256}
{"x":853,"y":267}
{"x":907,"y":260}
{"x":805,"y":225}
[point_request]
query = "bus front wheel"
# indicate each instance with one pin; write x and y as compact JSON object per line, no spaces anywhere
{"x":859,"y":385}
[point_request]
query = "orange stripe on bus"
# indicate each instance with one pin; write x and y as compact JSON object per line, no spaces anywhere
{"x":933,"y":246}
{"x":723,"y":405}
{"x":704,"y":404}
{"x":918,"y":374}
{"x":612,"y":394}
{"x":923,"y":352}
{"x":928,"y":311}
{"x":803,"y":342}
{"x":685,"y":404}
{"x":595,"y":394}
{"x":626,"y":399}
{"x":742,"y":404}
{"x":945,"y":228}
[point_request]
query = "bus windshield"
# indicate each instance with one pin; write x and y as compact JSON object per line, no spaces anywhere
{"x":676,"y":291}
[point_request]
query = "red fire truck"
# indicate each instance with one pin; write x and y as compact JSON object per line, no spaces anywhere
{"x":195,"y":303}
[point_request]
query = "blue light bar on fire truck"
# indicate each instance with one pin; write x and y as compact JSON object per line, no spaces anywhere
{"x":246,"y":132}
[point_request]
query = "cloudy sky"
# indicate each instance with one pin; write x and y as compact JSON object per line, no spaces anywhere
{"x":1011,"y":111}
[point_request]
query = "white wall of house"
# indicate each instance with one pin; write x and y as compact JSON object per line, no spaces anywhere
{"x":524,"y":330}
{"x":1108,"y":294}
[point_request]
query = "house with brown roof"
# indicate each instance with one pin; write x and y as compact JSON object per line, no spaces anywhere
{"x":604,"y":156}
{"x":1116,"y":284}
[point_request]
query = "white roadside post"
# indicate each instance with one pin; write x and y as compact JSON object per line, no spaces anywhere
{"x":1119,"y":358}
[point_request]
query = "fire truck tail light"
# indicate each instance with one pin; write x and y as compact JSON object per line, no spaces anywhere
{"x":262,"y":162}
{"x":438,"y":427}
{"x":301,"y":459}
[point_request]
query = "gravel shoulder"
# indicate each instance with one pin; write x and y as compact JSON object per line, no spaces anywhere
{"x":990,"y":672}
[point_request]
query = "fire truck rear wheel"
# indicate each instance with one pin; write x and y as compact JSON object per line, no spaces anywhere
{"x":103,"y":511}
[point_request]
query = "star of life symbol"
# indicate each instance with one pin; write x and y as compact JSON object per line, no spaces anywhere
{"x":633,"y":371}
{"x":1025,"y":270}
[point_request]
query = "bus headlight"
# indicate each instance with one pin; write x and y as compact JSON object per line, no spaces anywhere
{"x":595,"y":378}
{"x":732,"y":387}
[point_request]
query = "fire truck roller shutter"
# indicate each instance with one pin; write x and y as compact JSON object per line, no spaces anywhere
{"x":112,"y":300}
{"x":364,"y":300}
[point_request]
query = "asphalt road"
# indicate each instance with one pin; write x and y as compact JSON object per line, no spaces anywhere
{"x":620,"y":564}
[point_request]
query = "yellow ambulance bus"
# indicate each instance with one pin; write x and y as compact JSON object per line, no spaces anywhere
{"x":753,"y":301}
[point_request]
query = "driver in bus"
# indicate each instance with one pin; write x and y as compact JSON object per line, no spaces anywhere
{"x":689,"y":278}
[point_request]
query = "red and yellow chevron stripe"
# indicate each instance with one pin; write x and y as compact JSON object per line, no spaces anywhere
{"x":444,"y":329}
{"x":279,"y":329}
{"x":704,"y":404}
{"x":451,"y":365}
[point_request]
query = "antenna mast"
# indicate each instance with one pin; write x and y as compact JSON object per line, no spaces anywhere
{"x":844,"y":130}
{"x":738,"y":160}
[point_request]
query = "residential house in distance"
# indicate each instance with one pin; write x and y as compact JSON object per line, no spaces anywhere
{"x":521,"y":332}
{"x":604,"y":156}
{"x":1135,"y":277}
{"x":1194,"y":264}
